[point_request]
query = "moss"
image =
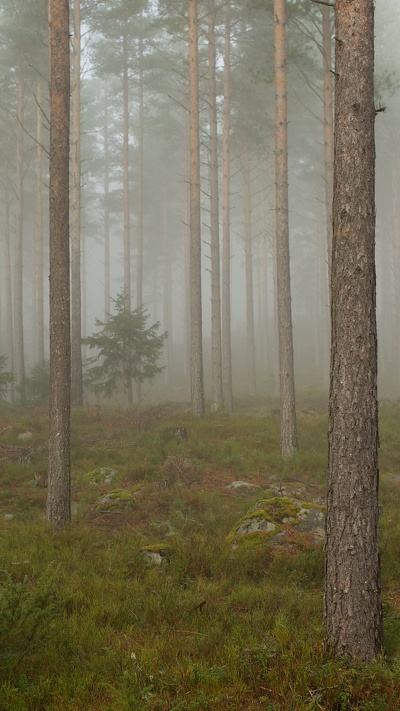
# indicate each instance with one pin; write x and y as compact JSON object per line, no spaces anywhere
{"x":115,"y":500}
{"x":102,"y":475}
{"x":277,"y":512}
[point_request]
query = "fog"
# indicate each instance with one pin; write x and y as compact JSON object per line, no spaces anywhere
{"x":156,"y":68}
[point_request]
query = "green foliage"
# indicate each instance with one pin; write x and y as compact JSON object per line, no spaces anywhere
{"x":5,"y":376}
{"x":127,"y":350}
{"x":37,"y":384}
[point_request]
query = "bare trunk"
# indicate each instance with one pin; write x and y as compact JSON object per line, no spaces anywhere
{"x":76,"y":306}
{"x":8,"y":275}
{"x":19,"y":357}
{"x":167,"y":296}
{"x":251,"y":360}
{"x":196,"y":345}
{"x":125,"y":161}
{"x":59,"y":482}
{"x":226,"y":220}
{"x":39,"y":301}
{"x":107,"y":301}
{"x":286,"y":366}
{"x":328,"y":126}
{"x":216,"y":346}
{"x":353,"y":610}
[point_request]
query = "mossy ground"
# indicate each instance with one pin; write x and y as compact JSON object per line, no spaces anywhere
{"x":87,"y":625}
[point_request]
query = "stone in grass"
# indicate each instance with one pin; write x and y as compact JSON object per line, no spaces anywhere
{"x":102,"y":475}
{"x":156,"y":553}
{"x":117,"y":500}
{"x":243,"y":487}
{"x":279,"y":519}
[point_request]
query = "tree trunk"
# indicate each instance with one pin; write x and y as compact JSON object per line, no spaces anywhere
{"x":39,"y":301}
{"x":216,"y":352}
{"x":248,"y":249}
{"x":8,"y":273}
{"x":125,"y":160}
{"x":59,"y":486}
{"x":328,"y":125}
{"x":107,"y":301}
{"x":353,"y":611}
{"x":76,"y":305}
{"x":196,"y":345}
{"x":286,"y":367}
{"x":167,"y":282}
{"x":226,"y":219}
{"x":19,"y":356}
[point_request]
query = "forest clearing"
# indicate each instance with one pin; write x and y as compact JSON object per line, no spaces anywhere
{"x":89,"y":622}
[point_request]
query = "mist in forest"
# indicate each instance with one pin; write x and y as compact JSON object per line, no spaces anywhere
{"x":130,"y":193}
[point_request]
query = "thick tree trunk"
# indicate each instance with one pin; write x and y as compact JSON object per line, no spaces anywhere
{"x":286,"y":366}
{"x":196,"y":344}
{"x":216,"y":346}
{"x":59,"y":488}
{"x":226,"y":219}
{"x":76,"y":305}
{"x":353,"y":612}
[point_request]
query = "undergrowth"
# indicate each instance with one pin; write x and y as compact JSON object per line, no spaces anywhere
{"x":87,"y":624}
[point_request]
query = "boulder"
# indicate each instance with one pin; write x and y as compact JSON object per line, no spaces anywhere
{"x":102,"y":475}
{"x":117,"y":500}
{"x":282,"y":521}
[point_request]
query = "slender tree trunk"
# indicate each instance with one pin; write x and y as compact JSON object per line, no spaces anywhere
{"x":140,"y":211}
{"x":167,"y":295}
{"x":59,"y":487}
{"x":251,"y":358}
{"x":107,"y":301}
{"x":186,"y":256}
{"x":8,"y":273}
{"x":226,"y":219}
{"x":19,"y":362}
{"x":286,"y":366}
{"x":76,"y":305}
{"x":196,"y":344}
{"x":328,"y":125}
{"x":353,"y":611}
{"x":39,"y":301}
{"x":216,"y":345}
{"x":125,"y":160}
{"x":126,"y":202}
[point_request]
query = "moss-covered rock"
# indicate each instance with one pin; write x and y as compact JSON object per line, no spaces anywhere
{"x":102,"y":475}
{"x":117,"y":500}
{"x":278,"y":518}
{"x":156,"y":553}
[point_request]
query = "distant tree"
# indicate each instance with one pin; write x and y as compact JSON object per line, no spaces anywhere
{"x":5,"y":377}
{"x":59,"y":486}
{"x":353,"y":610}
{"x":127,"y":350}
{"x":37,"y":384}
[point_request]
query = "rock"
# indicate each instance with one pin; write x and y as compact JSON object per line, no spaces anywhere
{"x":155,"y":554}
{"x":243,"y":487}
{"x":102,"y":475}
{"x":117,"y":500}
{"x":282,"y":520}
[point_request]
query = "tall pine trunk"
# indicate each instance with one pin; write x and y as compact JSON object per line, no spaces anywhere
{"x":285,"y":331}
{"x":196,"y":344}
{"x":248,"y":249}
{"x":226,"y":219}
{"x":216,"y":346}
{"x":76,"y":301}
{"x":353,"y":611}
{"x":19,"y":355}
{"x":59,"y":486}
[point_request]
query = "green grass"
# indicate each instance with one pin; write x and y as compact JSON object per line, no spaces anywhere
{"x":86,"y":624}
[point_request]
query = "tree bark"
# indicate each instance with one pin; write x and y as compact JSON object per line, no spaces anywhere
{"x":76,"y":299}
{"x":226,"y":219}
{"x":19,"y":355}
{"x":286,"y":365}
{"x":196,"y":345}
{"x":353,"y":611}
{"x":248,"y":250}
{"x":59,"y":484}
{"x":216,"y":346}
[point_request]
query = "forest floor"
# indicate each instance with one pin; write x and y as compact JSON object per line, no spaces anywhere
{"x":87,"y":624}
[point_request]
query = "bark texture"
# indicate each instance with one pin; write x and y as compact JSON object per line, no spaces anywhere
{"x":196,"y":347}
{"x":353,"y":615}
{"x":59,"y":487}
{"x":285,"y":330}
